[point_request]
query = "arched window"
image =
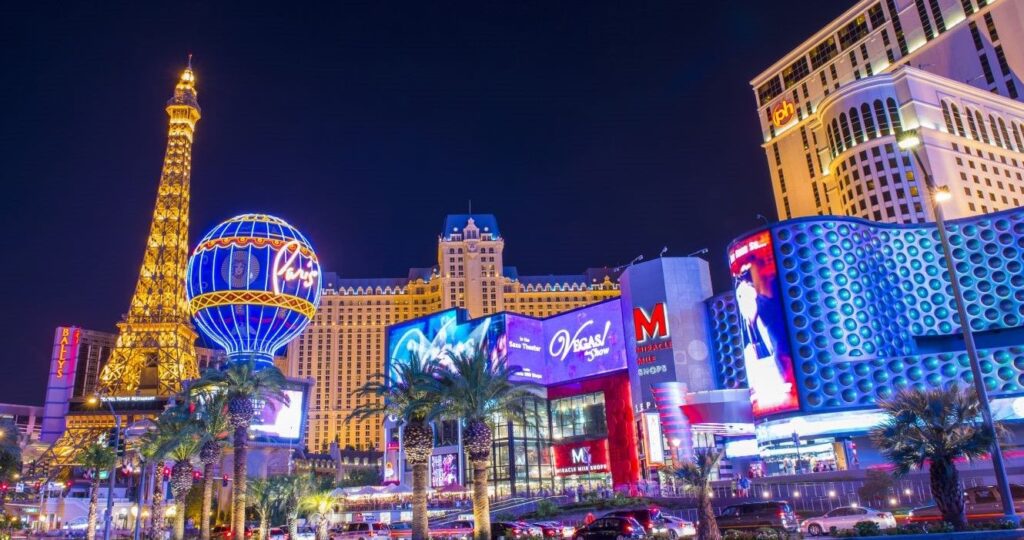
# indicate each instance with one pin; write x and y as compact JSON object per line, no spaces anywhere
{"x":837,"y":134}
{"x":831,"y":140}
{"x":869,"y":122}
{"x":847,"y":139}
{"x":883,"y":122}
{"x":1016,"y":137}
{"x":1006,"y":134}
{"x":971,"y":124}
{"x":981,"y":127}
{"x":947,"y":118}
{"x":894,"y":116}
{"x":995,"y":130}
{"x":958,"y":120}
{"x":858,"y":132}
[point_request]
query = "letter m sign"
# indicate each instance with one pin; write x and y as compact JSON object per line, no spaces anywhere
{"x":651,"y":326}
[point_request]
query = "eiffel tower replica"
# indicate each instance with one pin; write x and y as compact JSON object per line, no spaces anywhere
{"x":155,"y":349}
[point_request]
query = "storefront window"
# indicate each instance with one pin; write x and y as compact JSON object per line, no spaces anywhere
{"x":579,"y":416}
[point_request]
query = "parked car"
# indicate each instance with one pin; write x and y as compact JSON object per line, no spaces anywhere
{"x":363,"y":531}
{"x":650,"y":518}
{"x":460,"y":529}
{"x":611,"y":527}
{"x":844,"y":518}
{"x":224,"y":531}
{"x":981,"y":503}
{"x":554,"y":529}
{"x":677,"y":527}
{"x":513,"y":529}
{"x":400,"y":529}
{"x":304,"y":533}
{"x":277,"y":533}
{"x":777,"y":515}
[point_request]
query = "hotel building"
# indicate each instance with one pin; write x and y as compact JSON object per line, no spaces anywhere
{"x":832,"y":109}
{"x":344,"y":345}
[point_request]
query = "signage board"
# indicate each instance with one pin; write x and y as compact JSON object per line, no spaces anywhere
{"x":783,"y":113}
{"x":585,"y":457}
{"x":766,"y":354}
{"x":444,"y":470}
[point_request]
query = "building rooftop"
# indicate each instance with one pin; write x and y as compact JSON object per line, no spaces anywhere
{"x":455,"y":223}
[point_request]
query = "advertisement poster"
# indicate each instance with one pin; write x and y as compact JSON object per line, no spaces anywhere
{"x":444,"y":470}
{"x":279,"y":421}
{"x":766,"y":354}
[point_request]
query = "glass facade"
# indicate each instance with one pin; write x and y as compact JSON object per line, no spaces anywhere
{"x":531,"y":469}
{"x":579,"y":417}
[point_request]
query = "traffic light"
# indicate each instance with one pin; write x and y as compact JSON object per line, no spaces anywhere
{"x":166,"y":472}
{"x":224,"y":481}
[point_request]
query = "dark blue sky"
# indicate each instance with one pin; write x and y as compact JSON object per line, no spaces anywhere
{"x":595,"y":131}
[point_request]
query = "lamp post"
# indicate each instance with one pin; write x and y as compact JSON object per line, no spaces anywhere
{"x":108,"y":518}
{"x":911,"y":141}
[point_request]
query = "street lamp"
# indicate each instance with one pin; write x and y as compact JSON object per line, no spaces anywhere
{"x":94,"y":400}
{"x":911,"y":141}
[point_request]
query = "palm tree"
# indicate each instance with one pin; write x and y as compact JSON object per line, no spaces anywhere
{"x":95,"y":458}
{"x":320,"y":505}
{"x":153,"y":450}
{"x":404,"y":396}
{"x":293,"y":489}
{"x":477,"y":390}
{"x":263,"y":497}
{"x":215,"y":425}
{"x":179,"y":437}
{"x":242,"y":386}
{"x":936,"y":426}
{"x":10,"y":452}
{"x":696,"y":475}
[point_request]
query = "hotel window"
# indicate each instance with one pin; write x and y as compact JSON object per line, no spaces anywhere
{"x":991,"y":25}
{"x":922,"y":13}
{"x":853,"y":32}
{"x":876,"y":15}
{"x":769,"y":90}
{"x":795,"y":72}
{"x":968,"y":7}
{"x":822,"y":53}
{"x":990,"y":78}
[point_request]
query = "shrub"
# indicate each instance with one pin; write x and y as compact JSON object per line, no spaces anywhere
{"x":877,"y":485}
{"x":867,"y":528}
{"x":546,"y":508}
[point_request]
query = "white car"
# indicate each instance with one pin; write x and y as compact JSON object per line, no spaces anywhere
{"x":844,"y":518}
{"x":363,"y":531}
{"x":676,"y":527}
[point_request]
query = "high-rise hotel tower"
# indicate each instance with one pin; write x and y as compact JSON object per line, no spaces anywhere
{"x":344,"y":345}
{"x":832,"y":109}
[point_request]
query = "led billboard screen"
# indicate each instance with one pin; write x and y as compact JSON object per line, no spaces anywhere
{"x":444,"y":470}
{"x":766,"y":353}
{"x":281,"y":422}
{"x":581,"y":343}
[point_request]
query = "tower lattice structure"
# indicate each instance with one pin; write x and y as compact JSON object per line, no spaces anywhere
{"x":155,"y":349}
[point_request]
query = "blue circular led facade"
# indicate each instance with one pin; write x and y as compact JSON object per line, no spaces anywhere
{"x":253,"y":285}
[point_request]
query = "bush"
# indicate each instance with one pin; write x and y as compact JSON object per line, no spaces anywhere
{"x":867,"y":528}
{"x":546,"y":508}
{"x":877,"y":486}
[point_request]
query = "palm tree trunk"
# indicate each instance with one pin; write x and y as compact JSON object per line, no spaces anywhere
{"x":204,"y":526}
{"x":322,"y":527}
{"x":94,"y":496}
{"x":293,"y":523}
{"x":238,"y":493}
{"x":264,"y":524}
{"x":481,"y":504}
{"x":179,"y":518}
{"x":157,"y":517}
{"x":420,"y":525}
{"x":707,"y":526}
{"x":948,"y":492}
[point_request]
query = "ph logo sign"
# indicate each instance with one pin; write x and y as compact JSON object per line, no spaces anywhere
{"x":783,"y":113}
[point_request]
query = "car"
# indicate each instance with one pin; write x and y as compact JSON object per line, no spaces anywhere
{"x":459,"y":529}
{"x":305,"y":533}
{"x":776,"y":515}
{"x":509,"y":530}
{"x":982,"y":503}
{"x":532,"y":530}
{"x":400,"y":529}
{"x":611,"y":528}
{"x":277,"y":533}
{"x":224,"y":532}
{"x":363,"y":531}
{"x":554,"y":529}
{"x":650,"y":518}
{"x":844,"y":518}
{"x":677,"y":527}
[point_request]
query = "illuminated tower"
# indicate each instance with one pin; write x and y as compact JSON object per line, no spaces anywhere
{"x":155,"y":348}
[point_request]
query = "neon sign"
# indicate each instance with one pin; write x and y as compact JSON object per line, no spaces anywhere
{"x":287,"y":267}
{"x":653,"y":326}
{"x":581,"y":458}
{"x":68,"y":337}
{"x":783,"y":112}
{"x":592,"y":346}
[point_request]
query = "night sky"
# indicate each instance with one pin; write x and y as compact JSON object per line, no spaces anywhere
{"x":594,"y":131}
